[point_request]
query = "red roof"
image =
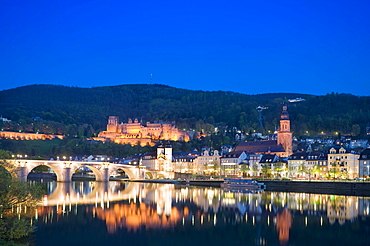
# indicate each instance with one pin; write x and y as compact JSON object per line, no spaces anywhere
{"x":260,"y":147}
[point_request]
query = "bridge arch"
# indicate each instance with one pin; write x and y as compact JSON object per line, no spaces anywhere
{"x":99,"y":176}
{"x":128,"y":172}
{"x":9,"y":169}
{"x":22,"y":168}
{"x":57,"y":171}
{"x":149,"y":175}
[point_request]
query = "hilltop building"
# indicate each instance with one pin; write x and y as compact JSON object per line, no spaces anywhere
{"x":4,"y":119}
{"x":134,"y":132}
{"x":282,"y":147}
{"x":28,"y":136}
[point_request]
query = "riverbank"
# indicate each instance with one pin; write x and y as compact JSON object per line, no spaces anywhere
{"x":321,"y":187}
{"x":318,"y":187}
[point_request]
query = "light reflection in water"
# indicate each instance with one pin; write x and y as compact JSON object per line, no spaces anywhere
{"x":142,"y":206}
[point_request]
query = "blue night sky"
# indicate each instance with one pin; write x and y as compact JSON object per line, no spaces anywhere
{"x":252,"y":47}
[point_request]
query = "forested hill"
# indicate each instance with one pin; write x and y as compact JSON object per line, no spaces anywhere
{"x":62,"y":108}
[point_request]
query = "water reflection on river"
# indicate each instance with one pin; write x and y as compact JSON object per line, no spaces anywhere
{"x":115,"y":213}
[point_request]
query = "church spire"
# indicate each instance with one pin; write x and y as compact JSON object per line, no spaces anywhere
{"x":285,"y":114}
{"x":284,"y":119}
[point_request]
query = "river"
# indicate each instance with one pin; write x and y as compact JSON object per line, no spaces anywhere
{"x":129,"y":213}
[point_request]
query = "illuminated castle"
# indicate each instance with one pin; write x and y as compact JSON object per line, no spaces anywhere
{"x":134,"y":132}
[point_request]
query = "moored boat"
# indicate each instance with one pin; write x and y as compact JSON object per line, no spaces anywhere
{"x":242,"y":184}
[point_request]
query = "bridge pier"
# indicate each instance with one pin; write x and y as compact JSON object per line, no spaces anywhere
{"x":22,"y":173}
{"x":102,"y":173}
{"x":67,"y":177}
{"x":105,"y":176}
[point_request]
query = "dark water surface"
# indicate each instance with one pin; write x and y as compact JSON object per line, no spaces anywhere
{"x":116,"y":213}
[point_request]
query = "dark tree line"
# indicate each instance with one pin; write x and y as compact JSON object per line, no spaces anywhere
{"x":83,"y":112}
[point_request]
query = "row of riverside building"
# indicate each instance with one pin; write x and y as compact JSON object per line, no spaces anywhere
{"x":338,"y":162}
{"x":269,"y":158}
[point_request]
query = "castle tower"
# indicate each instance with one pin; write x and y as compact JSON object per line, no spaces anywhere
{"x":284,"y":134}
{"x":112,"y":124}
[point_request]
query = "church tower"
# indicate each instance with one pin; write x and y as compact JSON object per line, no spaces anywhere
{"x":284,"y":134}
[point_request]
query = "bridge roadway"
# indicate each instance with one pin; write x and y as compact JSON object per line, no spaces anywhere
{"x":65,"y":169}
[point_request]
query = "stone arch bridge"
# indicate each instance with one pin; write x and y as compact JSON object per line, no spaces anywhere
{"x":65,"y":169}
